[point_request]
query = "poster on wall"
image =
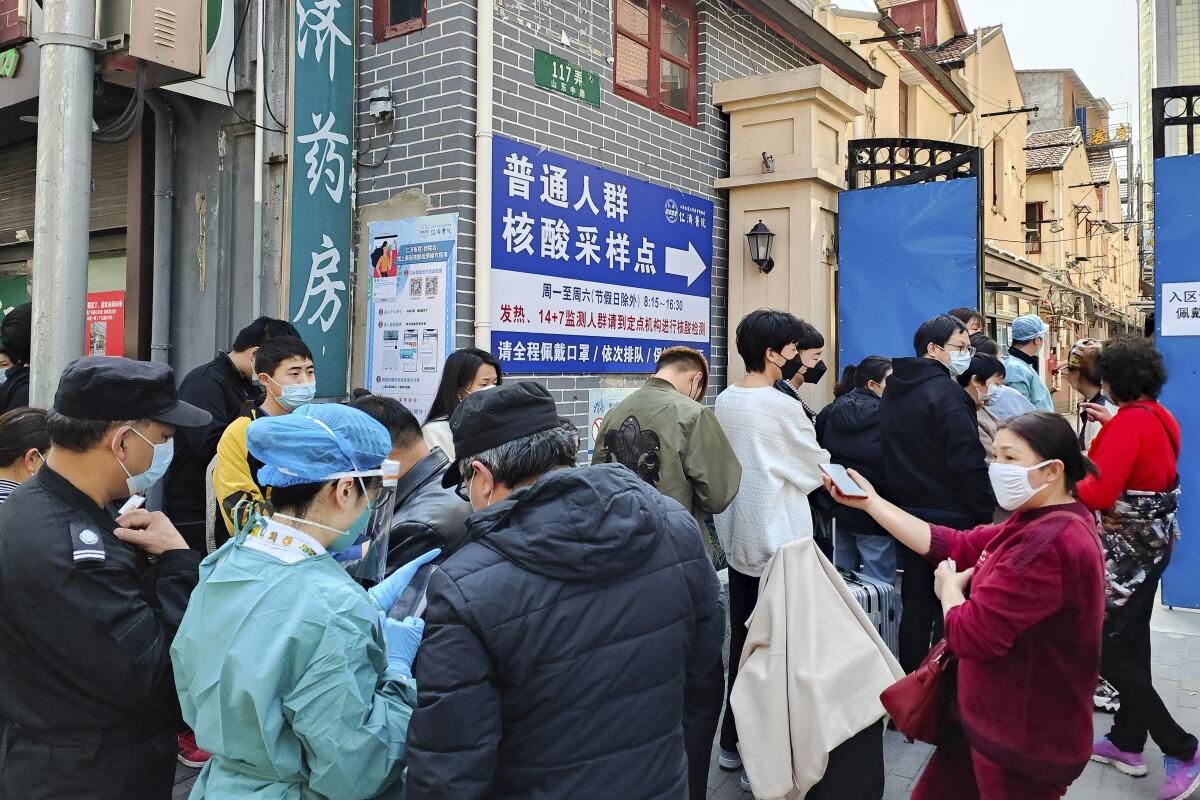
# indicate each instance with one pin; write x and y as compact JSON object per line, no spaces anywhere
{"x":411,"y":312}
{"x":592,"y":270}
{"x":600,"y":402}
{"x":105,"y":324}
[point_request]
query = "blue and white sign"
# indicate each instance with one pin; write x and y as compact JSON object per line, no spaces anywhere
{"x":593,"y":271}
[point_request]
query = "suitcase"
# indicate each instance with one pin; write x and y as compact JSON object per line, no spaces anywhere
{"x":881,"y":603}
{"x":855,"y":769}
{"x":880,"y":600}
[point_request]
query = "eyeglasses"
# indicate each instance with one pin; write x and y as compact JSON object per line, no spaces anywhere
{"x":463,"y":489}
{"x":966,"y":348}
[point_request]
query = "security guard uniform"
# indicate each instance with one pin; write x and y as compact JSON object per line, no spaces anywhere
{"x":87,"y":697}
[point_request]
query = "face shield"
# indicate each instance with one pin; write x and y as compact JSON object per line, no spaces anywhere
{"x":366,"y":559}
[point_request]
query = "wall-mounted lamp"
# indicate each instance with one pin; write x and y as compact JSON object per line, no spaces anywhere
{"x":768,"y":162}
{"x":759,"y":239}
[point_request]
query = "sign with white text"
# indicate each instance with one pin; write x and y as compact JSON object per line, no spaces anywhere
{"x":412,"y":308}
{"x":593,"y":271}
{"x":321,"y":167}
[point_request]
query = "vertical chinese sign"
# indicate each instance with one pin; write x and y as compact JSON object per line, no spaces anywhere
{"x":321,"y":165}
{"x":593,"y":271}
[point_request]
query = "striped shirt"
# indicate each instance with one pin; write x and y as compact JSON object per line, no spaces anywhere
{"x":6,"y":488}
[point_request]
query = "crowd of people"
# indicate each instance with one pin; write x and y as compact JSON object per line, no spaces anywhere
{"x":339,"y":600}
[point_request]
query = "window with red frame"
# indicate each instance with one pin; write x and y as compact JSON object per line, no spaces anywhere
{"x":655,"y":55}
{"x":397,"y":17}
{"x":1034,"y":213}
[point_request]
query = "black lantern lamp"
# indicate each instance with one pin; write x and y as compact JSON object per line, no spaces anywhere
{"x":759,"y":238}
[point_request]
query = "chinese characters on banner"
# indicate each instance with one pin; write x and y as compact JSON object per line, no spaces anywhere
{"x":321,"y":165}
{"x":105,"y":324}
{"x":1180,"y":309}
{"x":593,"y":271}
{"x":412,"y":307}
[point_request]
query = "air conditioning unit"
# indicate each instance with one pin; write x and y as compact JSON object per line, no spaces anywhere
{"x":163,"y":37}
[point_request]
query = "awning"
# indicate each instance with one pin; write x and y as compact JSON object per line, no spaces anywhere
{"x":1019,"y":276}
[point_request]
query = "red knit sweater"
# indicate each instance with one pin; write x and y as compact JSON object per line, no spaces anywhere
{"x":1028,"y":639}
{"x":1134,"y":450}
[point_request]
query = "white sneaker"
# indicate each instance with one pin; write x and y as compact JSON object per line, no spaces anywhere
{"x":729,"y":759}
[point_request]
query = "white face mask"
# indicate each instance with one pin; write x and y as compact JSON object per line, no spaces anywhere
{"x":959,"y":363}
{"x":1010,"y":482}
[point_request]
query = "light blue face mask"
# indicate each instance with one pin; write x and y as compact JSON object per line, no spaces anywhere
{"x":294,"y":395}
{"x":345,"y":538}
{"x":163,"y":453}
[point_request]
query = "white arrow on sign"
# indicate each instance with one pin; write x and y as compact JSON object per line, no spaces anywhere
{"x":685,"y":263}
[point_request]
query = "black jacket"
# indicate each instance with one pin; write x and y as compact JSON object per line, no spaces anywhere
{"x":562,"y":643}
{"x":426,"y":516}
{"x":86,"y":621}
{"x":933,"y":463}
{"x":15,"y":391}
{"x":218,"y":388}
{"x":849,"y":429}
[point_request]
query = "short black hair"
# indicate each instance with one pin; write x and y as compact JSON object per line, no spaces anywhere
{"x":1053,"y":439}
{"x":391,"y":414}
{"x":767,"y":329}
{"x":299,"y":497}
{"x":275,"y":351}
{"x":258,"y":332}
{"x":965,"y":315}
{"x":983,"y":367}
{"x":17,"y":332}
{"x":985,"y":344}
{"x":1132,"y":368}
{"x":22,"y":430}
{"x":78,"y":435}
{"x":936,"y":331}
{"x":685,"y":358}
{"x":458,"y":373}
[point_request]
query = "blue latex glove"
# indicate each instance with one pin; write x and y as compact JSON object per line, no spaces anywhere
{"x":388,"y":591}
{"x":402,"y":638}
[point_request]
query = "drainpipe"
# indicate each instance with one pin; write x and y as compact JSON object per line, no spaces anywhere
{"x":978,"y":99}
{"x":164,"y":213}
{"x":260,"y":91}
{"x":483,"y":174}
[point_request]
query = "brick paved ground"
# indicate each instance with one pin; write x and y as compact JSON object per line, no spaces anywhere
{"x":1177,"y":675}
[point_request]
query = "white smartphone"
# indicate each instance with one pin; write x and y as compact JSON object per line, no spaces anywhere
{"x":842,"y":480}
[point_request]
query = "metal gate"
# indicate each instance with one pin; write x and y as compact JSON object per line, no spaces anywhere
{"x":910,"y":241}
{"x":1176,"y":115}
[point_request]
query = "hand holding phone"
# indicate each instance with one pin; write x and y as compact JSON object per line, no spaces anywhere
{"x":845,"y":485}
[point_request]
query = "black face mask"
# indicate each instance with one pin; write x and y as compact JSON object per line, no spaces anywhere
{"x":791,"y":367}
{"x":815,"y":372}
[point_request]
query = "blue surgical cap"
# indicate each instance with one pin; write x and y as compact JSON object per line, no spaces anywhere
{"x":315,"y":442}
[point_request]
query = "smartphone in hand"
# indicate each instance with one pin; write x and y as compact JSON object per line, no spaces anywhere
{"x":842,"y":480}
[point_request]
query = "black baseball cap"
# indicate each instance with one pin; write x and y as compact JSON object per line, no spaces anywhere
{"x":490,"y":418}
{"x":111,"y":388}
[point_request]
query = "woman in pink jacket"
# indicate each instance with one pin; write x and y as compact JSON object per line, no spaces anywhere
{"x":1028,"y":637}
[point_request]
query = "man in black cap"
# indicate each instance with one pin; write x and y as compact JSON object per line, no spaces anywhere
{"x":89,"y":599}
{"x":570,"y":642}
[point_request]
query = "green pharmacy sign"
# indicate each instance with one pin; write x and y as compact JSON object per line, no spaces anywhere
{"x":559,"y":75}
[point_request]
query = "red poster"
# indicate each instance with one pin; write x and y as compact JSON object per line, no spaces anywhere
{"x":105,"y":324}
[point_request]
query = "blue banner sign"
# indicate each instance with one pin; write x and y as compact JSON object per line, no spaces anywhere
{"x":593,"y":271}
{"x":321,"y":165}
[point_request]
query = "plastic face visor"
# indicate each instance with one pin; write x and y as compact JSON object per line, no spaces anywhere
{"x":389,"y":475}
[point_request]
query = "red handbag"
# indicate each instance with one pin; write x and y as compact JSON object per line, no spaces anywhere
{"x":919,"y":703}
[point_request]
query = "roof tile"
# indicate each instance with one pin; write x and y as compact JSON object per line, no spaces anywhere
{"x":1047,"y":150}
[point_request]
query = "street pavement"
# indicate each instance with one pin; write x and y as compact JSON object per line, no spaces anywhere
{"x":1176,"y":642}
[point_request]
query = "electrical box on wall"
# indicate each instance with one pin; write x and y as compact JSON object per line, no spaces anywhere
{"x":165,"y":37}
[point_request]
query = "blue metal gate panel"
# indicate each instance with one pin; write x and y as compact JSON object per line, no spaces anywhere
{"x":905,"y":254}
{"x":1176,"y":260}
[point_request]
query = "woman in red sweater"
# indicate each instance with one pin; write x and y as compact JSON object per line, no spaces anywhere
{"x":1135,"y":493}
{"x":1028,"y":639}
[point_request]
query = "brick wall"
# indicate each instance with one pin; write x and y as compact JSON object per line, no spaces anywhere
{"x":11,"y":28}
{"x":434,"y":149}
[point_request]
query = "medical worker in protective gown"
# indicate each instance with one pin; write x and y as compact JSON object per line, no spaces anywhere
{"x":289,"y":672}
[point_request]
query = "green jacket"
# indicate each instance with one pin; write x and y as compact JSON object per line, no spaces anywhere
{"x":675,"y":444}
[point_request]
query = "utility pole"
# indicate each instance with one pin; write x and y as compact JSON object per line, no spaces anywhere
{"x":63,"y":192}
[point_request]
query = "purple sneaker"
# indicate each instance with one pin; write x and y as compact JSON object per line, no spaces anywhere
{"x":1105,"y":752}
{"x":1182,"y":778}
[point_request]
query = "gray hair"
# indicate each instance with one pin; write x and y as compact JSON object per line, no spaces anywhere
{"x":528,"y":458}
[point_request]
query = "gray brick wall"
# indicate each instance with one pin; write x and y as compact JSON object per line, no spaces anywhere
{"x":432,"y":75}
